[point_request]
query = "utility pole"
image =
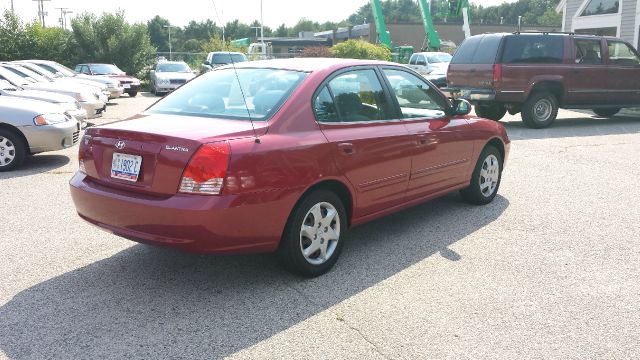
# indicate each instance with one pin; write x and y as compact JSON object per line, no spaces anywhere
{"x":63,"y":16}
{"x":41,"y":12}
{"x":12,"y":10}
{"x":169,"y":27}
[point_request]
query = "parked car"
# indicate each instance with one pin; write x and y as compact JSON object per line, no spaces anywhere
{"x":426,"y":63}
{"x":284,"y":155}
{"x":438,"y":77}
{"x":66,"y":102}
{"x":537,"y":73}
{"x":169,"y":75}
{"x":90,"y":100}
{"x":114,"y":87}
{"x":47,"y":76}
{"x":31,"y":126}
{"x":219,"y":58}
{"x":131,"y":84}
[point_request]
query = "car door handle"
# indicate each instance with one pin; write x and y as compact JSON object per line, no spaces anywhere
{"x":347,"y":148}
{"x":426,"y":140}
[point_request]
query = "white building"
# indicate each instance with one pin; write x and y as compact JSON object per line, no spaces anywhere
{"x":619,"y":18}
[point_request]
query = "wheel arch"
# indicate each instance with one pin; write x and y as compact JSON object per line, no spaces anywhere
{"x":498,"y":144}
{"x":552,"y":85}
{"x":336,"y":186}
{"x":15,"y":130}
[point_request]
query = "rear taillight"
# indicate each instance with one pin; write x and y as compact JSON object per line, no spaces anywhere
{"x":497,"y":73}
{"x":84,"y":144}
{"x":206,"y":170}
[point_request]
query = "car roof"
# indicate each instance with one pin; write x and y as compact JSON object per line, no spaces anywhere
{"x":309,"y":64}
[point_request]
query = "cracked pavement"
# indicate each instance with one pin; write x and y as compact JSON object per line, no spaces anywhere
{"x":550,"y":269}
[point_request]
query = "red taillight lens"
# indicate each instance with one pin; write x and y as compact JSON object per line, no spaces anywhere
{"x":84,"y":144}
{"x":497,"y":73}
{"x":206,"y":170}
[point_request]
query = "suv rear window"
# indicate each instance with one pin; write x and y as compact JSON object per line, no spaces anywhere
{"x":533,"y":49}
{"x":468,"y":52}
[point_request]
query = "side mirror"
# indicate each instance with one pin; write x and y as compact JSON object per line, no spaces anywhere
{"x":461,"y":107}
{"x":206,"y":62}
{"x":421,"y":63}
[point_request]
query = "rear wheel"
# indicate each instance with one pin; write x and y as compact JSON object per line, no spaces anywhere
{"x":311,"y":242}
{"x":491,"y":111}
{"x":485,"y":180}
{"x":608,"y":112}
{"x":12,"y":150}
{"x":540,"y":110}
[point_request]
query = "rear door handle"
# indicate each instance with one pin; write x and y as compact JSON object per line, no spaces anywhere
{"x":426,"y":140}
{"x":346,"y":148}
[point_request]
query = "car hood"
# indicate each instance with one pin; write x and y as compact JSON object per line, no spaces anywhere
{"x":125,"y":78}
{"x":84,"y":82}
{"x":62,"y":86}
{"x":41,"y":95}
{"x":99,"y":78}
{"x":10,"y":107}
{"x":175,"y":75}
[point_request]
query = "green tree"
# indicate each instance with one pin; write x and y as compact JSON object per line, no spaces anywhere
{"x":14,"y":41}
{"x":359,"y":49}
{"x":158,"y":34}
{"x":109,"y":38}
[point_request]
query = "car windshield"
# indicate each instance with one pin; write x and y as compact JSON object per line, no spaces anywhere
{"x":173,"y":67}
{"x":63,"y":69}
{"x":439,"y":58}
{"x":14,"y":79}
{"x":26,"y":74}
{"x":226,"y":58}
{"x":242,"y":94}
{"x":105,"y":69}
{"x":5,"y":85}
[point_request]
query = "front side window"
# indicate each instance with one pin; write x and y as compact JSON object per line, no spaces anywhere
{"x":600,"y":7}
{"x":416,"y":98}
{"x":588,"y":51}
{"x":622,"y":54}
{"x":358,"y":96}
{"x":533,"y":49}
{"x":240,"y":94}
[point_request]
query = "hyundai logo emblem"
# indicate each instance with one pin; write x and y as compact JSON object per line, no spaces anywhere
{"x":120,"y":145}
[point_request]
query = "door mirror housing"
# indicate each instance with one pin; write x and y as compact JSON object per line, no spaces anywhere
{"x":460,"y":107}
{"x":421,"y":63}
{"x":206,"y":62}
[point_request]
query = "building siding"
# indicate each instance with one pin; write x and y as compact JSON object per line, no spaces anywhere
{"x":628,"y":26}
{"x":572,"y":8}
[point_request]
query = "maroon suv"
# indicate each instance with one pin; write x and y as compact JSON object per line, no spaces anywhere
{"x":536,"y":73}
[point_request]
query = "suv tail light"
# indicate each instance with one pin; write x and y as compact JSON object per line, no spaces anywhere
{"x":497,"y":73}
{"x":207,"y":169}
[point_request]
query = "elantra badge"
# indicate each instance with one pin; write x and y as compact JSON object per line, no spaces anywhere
{"x":176,"y":148}
{"x":120,"y":145}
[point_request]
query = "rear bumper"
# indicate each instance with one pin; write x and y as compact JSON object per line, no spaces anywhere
{"x":115,"y":93}
{"x":472,"y":94}
{"x":52,"y":137}
{"x":94,"y":109}
{"x":193,"y":223}
{"x":131,"y":88}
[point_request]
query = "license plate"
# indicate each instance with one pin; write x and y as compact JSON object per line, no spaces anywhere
{"x":126,"y":86}
{"x":125,"y":166}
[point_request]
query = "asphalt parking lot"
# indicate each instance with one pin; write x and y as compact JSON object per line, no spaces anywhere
{"x":550,"y":269}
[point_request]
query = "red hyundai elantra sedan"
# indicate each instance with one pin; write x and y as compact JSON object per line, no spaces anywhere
{"x":285,"y":156}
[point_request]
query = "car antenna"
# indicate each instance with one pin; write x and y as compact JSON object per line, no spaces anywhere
{"x":235,"y":71}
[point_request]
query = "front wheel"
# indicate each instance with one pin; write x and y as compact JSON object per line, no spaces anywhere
{"x":540,"y":110}
{"x":311,"y":242}
{"x":607,"y":112}
{"x":485,"y":180}
{"x":491,"y":111}
{"x":133,"y":93}
{"x":12,"y":150}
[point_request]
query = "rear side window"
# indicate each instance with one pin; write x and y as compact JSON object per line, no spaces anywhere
{"x":533,"y":49}
{"x":324,"y":107}
{"x":622,"y":54}
{"x":478,"y":50}
{"x":588,"y":51}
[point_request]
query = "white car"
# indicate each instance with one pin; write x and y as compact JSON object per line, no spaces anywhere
{"x":427,"y":62}
{"x":31,"y":126}
{"x":69,"y":104}
{"x":114,"y":86}
{"x":90,"y":100}
{"x":169,"y":75}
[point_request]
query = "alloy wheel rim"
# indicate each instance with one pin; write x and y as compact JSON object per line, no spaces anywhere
{"x":7,"y":151}
{"x":542,"y":109}
{"x":489,"y":175}
{"x":320,"y":233}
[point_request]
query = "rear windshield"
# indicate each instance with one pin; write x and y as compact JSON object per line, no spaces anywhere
{"x":481,"y":49}
{"x":533,"y":49}
{"x":241,"y":94}
{"x":225,"y":58}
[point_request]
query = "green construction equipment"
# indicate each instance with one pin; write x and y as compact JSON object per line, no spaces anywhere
{"x":461,"y":7}
{"x":432,"y":39}
{"x":401,"y":54}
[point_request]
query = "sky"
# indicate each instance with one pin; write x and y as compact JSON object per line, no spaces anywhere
{"x":275,"y":12}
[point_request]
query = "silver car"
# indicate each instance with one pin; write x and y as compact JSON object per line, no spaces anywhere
{"x":169,"y":75}
{"x":114,"y":87}
{"x":90,"y":101}
{"x":30,"y":127}
{"x":68,"y":103}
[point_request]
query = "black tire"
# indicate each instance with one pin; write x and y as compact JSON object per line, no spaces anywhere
{"x":11,"y":145}
{"x":133,"y":93}
{"x":607,"y":112}
{"x":153,"y":90}
{"x":290,"y":252}
{"x":475,"y":193}
{"x":491,"y":111}
{"x":540,"y":110}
